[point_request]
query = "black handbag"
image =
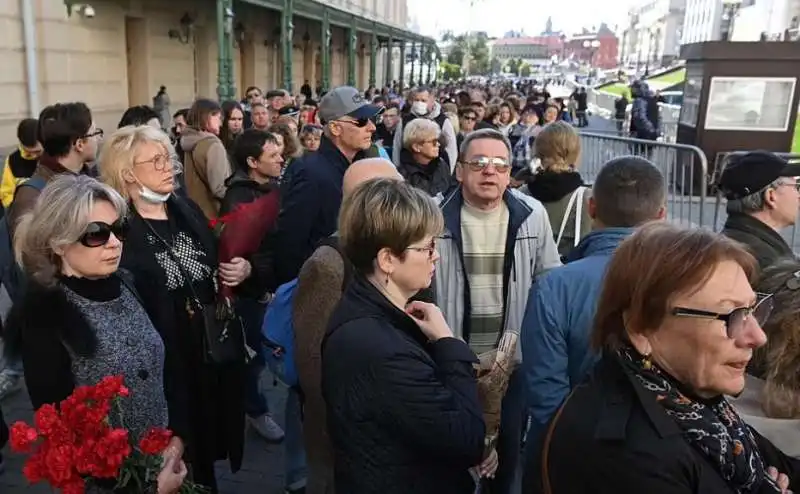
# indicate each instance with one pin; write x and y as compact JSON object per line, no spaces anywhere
{"x":223,"y":337}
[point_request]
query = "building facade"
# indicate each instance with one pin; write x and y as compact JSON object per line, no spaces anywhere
{"x":703,"y":21}
{"x":654,"y":33}
{"x":766,"y":19}
{"x":118,"y":53}
{"x":520,"y":48}
{"x":600,"y":49}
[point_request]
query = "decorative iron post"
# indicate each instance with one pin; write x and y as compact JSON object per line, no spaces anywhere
{"x":373,"y":55}
{"x":352,"y":40}
{"x":389,"y":50}
{"x":402,"y":65}
{"x":325,"y":50}
{"x":225,"y":82}
{"x":411,"y":80}
{"x":287,"y":44}
{"x":430,"y":62}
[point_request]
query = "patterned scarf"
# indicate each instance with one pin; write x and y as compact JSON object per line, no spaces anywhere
{"x":713,"y":428}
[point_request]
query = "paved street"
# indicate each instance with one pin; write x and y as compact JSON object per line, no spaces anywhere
{"x":261,"y":473}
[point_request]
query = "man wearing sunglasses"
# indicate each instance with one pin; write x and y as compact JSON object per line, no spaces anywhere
{"x":313,"y":192}
{"x":763,"y":199}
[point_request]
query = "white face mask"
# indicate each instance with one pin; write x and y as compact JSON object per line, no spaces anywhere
{"x":152,"y":196}
{"x":419,"y":108}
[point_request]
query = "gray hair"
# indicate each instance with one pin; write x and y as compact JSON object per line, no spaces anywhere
{"x":418,"y":130}
{"x":752,"y":203}
{"x":477,"y":135}
{"x":58,"y":219}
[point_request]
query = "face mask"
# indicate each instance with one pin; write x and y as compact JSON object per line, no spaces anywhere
{"x":419,"y":107}
{"x":152,"y":196}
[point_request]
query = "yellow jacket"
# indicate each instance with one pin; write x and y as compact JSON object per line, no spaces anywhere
{"x":19,"y":167}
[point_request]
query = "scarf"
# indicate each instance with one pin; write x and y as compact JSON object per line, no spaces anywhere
{"x":711,"y":426}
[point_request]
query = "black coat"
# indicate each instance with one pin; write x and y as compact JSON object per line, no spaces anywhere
{"x":764,"y":242}
{"x":207,"y":403}
{"x":434,"y":178}
{"x":613,"y":437}
{"x":403,"y":414}
{"x":310,"y":202}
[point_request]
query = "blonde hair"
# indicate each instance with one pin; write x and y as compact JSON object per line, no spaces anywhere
{"x":385,"y":213}
{"x":558,"y":146}
{"x":58,"y":219}
{"x":118,"y":154}
{"x":418,"y":130}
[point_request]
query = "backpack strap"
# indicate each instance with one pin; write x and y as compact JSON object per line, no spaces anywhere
{"x":578,"y":214}
{"x":567,"y":213}
{"x":36,"y":182}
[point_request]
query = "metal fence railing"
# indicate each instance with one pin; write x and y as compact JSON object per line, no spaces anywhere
{"x":684,"y":167}
{"x":692,"y":198}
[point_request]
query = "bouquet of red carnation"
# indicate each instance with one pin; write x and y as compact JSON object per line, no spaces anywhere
{"x":240,"y":234}
{"x":74,"y":446}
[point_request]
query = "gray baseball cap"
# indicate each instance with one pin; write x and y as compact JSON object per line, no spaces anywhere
{"x":345,"y":101}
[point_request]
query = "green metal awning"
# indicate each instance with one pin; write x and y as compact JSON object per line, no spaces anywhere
{"x":310,"y":9}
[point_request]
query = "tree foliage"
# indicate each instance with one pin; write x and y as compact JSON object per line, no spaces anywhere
{"x":513,"y":65}
{"x":473,"y":45}
{"x":449,"y":71}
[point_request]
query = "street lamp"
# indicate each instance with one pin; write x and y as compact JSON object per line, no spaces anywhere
{"x":592,"y":46}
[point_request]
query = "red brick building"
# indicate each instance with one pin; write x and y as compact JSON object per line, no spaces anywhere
{"x":601,"y":49}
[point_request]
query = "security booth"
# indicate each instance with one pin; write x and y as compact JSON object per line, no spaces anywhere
{"x":739,"y":96}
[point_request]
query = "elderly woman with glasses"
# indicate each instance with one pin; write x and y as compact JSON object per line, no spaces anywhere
{"x":403,"y":410}
{"x":172,"y":254}
{"x":423,"y":161}
{"x":81,"y":320}
{"x":677,"y":327}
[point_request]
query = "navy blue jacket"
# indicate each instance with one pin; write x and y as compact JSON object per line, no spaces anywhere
{"x":309,"y":207}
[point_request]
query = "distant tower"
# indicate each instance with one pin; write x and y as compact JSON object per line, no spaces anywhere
{"x":548,"y":26}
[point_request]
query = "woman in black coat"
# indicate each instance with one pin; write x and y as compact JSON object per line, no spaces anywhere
{"x":677,"y":328}
{"x":400,"y":390}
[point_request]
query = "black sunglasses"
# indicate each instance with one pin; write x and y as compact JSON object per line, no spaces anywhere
{"x":98,"y":233}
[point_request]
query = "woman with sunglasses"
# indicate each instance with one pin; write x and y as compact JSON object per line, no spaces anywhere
{"x":677,"y":323}
{"x":80,"y":319}
{"x":172,"y":254}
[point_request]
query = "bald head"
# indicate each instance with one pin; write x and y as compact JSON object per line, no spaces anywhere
{"x":367,"y":169}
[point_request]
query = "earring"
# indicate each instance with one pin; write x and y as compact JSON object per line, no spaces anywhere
{"x":387,"y":279}
{"x":647,"y":362}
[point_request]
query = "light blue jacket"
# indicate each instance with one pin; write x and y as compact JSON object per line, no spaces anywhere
{"x":558,"y":323}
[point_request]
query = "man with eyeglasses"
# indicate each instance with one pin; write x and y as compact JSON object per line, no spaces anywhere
{"x":496,"y":241}
{"x":763,"y":199}
{"x":313,"y":192}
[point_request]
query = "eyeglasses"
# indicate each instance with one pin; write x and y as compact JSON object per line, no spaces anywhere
{"x":430,"y":248}
{"x":435,"y":142}
{"x":481,"y":163}
{"x":468,"y":119}
{"x":735,"y":320}
{"x":795,"y":185}
{"x":160,"y":162}
{"x":98,"y":233}
{"x":96,"y":133}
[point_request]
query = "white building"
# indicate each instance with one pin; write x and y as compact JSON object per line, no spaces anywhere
{"x":702,"y":21}
{"x":768,"y":18}
{"x":654,"y":33}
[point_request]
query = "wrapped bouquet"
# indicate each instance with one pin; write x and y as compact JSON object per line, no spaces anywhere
{"x":494,"y":371}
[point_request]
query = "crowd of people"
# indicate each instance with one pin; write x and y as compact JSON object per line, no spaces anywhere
{"x":412,"y":230}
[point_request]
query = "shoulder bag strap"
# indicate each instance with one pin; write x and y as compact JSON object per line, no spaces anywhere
{"x":579,"y":214}
{"x":567,"y":212}
{"x":546,"y":487}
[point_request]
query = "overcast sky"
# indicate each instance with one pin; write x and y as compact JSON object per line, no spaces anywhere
{"x":499,"y":16}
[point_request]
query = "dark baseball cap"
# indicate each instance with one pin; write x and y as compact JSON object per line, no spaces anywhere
{"x":290,"y":110}
{"x":751,"y":172}
{"x":345,"y":101}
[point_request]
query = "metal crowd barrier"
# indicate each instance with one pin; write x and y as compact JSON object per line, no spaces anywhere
{"x":602,"y":105}
{"x":685,"y":169}
{"x":720,"y":204}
